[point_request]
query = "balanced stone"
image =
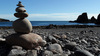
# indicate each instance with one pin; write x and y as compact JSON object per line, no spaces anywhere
{"x":22,"y":26}
{"x":20,"y":9}
{"x":19,"y":4}
{"x":21,"y":15}
{"x":27,"y":41}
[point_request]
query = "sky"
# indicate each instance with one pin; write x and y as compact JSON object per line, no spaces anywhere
{"x":50,"y":10}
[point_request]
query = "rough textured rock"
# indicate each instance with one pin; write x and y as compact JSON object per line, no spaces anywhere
{"x":22,"y":26}
{"x":55,"y":48}
{"x":27,"y":41}
{"x":82,"y":18}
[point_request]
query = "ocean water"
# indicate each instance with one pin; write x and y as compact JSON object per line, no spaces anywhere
{"x":45,"y":23}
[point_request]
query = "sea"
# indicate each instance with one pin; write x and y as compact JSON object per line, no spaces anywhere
{"x":45,"y":23}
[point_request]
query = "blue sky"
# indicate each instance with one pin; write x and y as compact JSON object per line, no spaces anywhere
{"x":51,"y":10}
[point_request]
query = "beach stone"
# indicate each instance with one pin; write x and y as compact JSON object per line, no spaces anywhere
{"x":83,"y":53}
{"x":60,"y":54}
{"x":47,"y":53}
{"x":17,"y":47}
{"x":31,"y":53}
{"x":21,"y":14}
{"x":51,"y":39}
{"x":16,"y":52}
{"x":22,"y":26}
{"x":27,"y":41}
{"x":63,"y":36}
{"x":56,"y":36}
{"x":20,"y":9}
{"x":70,"y":46}
{"x":55,"y":48}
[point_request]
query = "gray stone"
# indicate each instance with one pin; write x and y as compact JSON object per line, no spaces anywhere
{"x":83,"y":53}
{"x":31,"y":53}
{"x":70,"y":46}
{"x":27,"y":41}
{"x":16,"y":52}
{"x":47,"y":53}
{"x":55,"y":48}
{"x":22,"y":26}
{"x":60,"y":54}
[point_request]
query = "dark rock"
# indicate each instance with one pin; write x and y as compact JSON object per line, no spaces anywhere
{"x":93,"y":19}
{"x":82,"y":18}
{"x":70,"y":46}
{"x":98,"y":19}
{"x":83,"y":53}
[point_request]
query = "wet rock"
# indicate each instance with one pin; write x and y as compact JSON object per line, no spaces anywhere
{"x":83,"y":53}
{"x":31,"y":53}
{"x":16,"y":52}
{"x":55,"y":48}
{"x":47,"y":53}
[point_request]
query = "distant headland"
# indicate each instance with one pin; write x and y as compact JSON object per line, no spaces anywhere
{"x":83,"y":18}
{"x":4,"y":20}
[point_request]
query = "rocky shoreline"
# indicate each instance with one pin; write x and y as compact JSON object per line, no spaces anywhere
{"x":68,"y":41}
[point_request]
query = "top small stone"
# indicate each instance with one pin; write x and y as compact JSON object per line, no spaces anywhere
{"x":19,"y":4}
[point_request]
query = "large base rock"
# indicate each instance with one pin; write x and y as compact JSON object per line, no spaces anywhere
{"x":22,"y":25}
{"x":27,"y":41}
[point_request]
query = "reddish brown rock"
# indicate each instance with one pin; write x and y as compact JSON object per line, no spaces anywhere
{"x":27,"y":41}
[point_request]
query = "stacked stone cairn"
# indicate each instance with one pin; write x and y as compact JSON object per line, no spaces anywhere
{"x":23,"y":36}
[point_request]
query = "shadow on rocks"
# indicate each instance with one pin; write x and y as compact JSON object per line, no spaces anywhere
{"x":4,"y":48}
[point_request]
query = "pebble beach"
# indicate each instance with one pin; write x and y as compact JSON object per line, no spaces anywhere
{"x":60,"y":42}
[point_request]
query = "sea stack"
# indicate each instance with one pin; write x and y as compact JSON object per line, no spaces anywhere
{"x":23,"y":36}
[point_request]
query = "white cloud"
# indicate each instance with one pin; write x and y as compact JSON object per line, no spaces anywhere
{"x":49,"y":17}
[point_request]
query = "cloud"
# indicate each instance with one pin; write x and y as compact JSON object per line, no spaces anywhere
{"x":48,"y":17}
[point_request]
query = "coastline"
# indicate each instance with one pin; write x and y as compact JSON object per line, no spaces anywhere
{"x":55,"y":26}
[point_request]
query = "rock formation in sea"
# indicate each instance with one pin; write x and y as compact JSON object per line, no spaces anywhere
{"x":23,"y":36}
{"x":98,"y":19}
{"x":92,"y":20}
{"x":82,"y":18}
